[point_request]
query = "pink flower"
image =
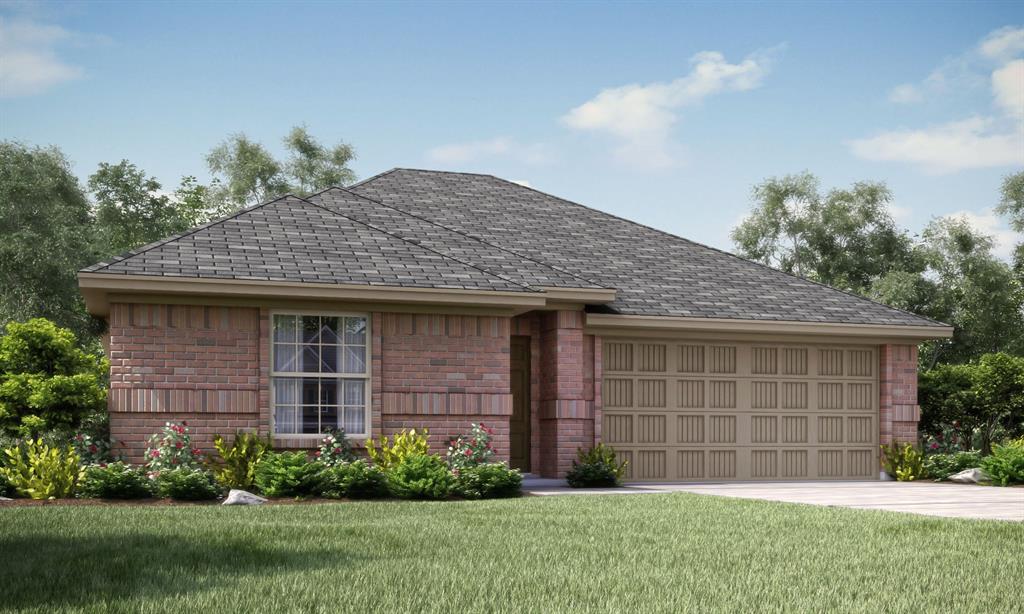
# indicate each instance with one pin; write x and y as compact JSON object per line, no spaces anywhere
{"x":317,"y":454}
{"x":337,"y":450}
{"x":469,"y":452}
{"x":196,"y":451}
{"x":935,"y":446}
{"x":178,"y":444}
{"x":155,"y":453}
{"x":79,"y":437}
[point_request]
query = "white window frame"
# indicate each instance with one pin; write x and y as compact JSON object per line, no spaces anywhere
{"x":367,"y":375}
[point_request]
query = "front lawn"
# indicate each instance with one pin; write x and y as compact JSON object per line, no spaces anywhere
{"x":620,"y":553}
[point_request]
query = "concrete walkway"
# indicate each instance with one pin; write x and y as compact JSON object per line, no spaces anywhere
{"x":929,"y":498}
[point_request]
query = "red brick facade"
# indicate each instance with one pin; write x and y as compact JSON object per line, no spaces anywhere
{"x":210,"y":366}
{"x":898,"y":411}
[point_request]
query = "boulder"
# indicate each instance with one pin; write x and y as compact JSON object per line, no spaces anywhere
{"x":968,"y":476}
{"x":241,"y":497}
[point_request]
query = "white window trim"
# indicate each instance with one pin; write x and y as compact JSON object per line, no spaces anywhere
{"x":367,"y":376}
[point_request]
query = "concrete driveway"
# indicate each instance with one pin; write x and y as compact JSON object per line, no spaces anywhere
{"x":929,"y":498}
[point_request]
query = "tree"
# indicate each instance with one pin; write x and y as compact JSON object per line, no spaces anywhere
{"x":195,"y":203}
{"x":1012,"y":206}
{"x":46,"y":227}
{"x":247,"y":174}
{"x":46,"y":381}
{"x":846,"y":238}
{"x":131,"y":209}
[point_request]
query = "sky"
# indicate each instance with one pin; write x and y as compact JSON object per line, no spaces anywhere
{"x":668,"y":114}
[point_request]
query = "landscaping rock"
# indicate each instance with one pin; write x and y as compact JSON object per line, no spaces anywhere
{"x":241,"y":497}
{"x":968,"y":476}
{"x":6,"y":499}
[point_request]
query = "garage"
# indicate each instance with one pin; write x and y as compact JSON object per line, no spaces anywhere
{"x":709,"y":410}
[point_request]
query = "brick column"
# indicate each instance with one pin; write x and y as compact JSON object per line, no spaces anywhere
{"x":898,"y":412}
{"x":566,"y":413}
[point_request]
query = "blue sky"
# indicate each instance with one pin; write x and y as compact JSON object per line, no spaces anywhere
{"x":667,"y":114}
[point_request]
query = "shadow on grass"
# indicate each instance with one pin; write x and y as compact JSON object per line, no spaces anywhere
{"x":48,"y":571}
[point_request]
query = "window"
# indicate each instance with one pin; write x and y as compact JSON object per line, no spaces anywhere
{"x":320,"y":374}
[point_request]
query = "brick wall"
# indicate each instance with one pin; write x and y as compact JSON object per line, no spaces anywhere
{"x":443,"y":372}
{"x":898,"y":409}
{"x":175,"y":363}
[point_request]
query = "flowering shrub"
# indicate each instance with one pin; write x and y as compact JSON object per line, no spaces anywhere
{"x":171,"y":448}
{"x":471,"y":449}
{"x":114,"y":481}
{"x":91,"y":450}
{"x":949,"y":439}
{"x":335,"y":449}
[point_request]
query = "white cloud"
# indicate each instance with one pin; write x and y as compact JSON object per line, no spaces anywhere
{"x":1004,"y":240}
{"x":907,"y":93}
{"x":28,"y":61}
{"x":642,"y":116}
{"x":1008,"y":88}
{"x":461,"y":153}
{"x":1003,"y":44}
{"x":971,"y":143}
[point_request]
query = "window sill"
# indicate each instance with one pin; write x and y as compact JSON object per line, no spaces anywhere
{"x":310,"y":442}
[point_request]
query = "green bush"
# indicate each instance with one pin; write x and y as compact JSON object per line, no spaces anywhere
{"x":46,"y":381}
{"x":387,"y":454}
{"x":355,"y":480}
{"x":187,"y":484}
{"x":114,"y":481}
{"x":5,"y":486}
{"x":488,"y":481}
{"x":288,"y":474}
{"x":941,"y":466}
{"x":38,"y":471}
{"x":597,"y":467}
{"x":421,"y":476}
{"x":236,"y":467}
{"x":903,"y":462}
{"x":1006,"y":464}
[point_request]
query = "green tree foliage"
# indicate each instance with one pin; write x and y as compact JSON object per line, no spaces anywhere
{"x":131,"y":209}
{"x":1012,"y":206}
{"x":47,"y":236}
{"x":247,"y":173}
{"x":845,"y":238}
{"x":982,"y":400}
{"x":46,"y":381}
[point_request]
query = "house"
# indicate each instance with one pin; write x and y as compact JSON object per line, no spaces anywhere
{"x":435,"y":299}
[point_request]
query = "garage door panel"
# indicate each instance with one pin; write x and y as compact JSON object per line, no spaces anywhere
{"x":718,"y":411}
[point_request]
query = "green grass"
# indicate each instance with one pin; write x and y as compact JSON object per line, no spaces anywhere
{"x":597,"y":553}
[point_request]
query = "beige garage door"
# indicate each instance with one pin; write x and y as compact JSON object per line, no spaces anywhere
{"x":714,"y":411}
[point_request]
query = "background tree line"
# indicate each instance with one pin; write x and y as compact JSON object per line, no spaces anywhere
{"x":52,"y":225}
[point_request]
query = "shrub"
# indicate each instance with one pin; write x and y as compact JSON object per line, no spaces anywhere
{"x":171,"y":448}
{"x":471,"y":449}
{"x":941,"y":466}
{"x":421,"y":476}
{"x":404,"y":444}
{"x":187,"y":484}
{"x":238,"y":461}
{"x":114,"y":481}
{"x":46,"y":381}
{"x":5,"y":486}
{"x":1006,"y":464}
{"x":38,"y":471}
{"x":903,"y":462}
{"x":488,"y":481}
{"x":596,"y":468}
{"x":335,"y":449}
{"x":288,"y":474}
{"x":355,"y":480}
{"x":91,"y":451}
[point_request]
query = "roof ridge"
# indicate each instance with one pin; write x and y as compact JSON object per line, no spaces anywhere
{"x":463,"y":233}
{"x":104,"y":264}
{"x":721,"y":251}
{"x":416,"y":244}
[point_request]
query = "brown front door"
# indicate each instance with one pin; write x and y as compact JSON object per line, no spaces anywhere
{"x":519,"y":424}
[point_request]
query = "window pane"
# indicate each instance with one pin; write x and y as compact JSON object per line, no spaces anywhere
{"x":354,"y":359}
{"x":329,"y":359}
{"x":311,"y":329}
{"x":310,"y":391}
{"x":310,"y":359}
{"x":329,"y":391}
{"x":328,"y":418}
{"x":354,"y":392}
{"x":355,"y":331}
{"x":311,"y":419}
{"x":329,"y":332}
{"x":285,"y":419}
{"x":285,"y":357}
{"x":285,"y":328}
{"x":286,"y":390}
{"x":354,"y":420}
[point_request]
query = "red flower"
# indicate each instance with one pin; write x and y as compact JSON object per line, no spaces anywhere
{"x":196,"y":451}
{"x":92,"y":449}
{"x":469,"y":452}
{"x":177,"y":444}
{"x":935,"y":445}
{"x":317,"y":454}
{"x":337,"y":450}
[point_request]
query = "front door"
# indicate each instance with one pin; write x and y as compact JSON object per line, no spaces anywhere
{"x":519,"y":424}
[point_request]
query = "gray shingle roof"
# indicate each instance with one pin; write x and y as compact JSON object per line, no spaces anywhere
{"x":654,"y":273}
{"x":432,"y":229}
